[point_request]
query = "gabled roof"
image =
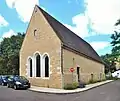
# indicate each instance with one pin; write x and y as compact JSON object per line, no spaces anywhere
{"x":70,"y":39}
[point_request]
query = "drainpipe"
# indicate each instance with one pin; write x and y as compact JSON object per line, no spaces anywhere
{"x":62,"y":65}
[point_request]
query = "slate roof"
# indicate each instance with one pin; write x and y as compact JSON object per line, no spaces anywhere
{"x":70,"y":39}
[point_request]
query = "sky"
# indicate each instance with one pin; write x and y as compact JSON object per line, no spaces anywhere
{"x":92,"y":20}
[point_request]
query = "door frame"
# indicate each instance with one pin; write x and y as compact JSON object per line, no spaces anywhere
{"x":78,"y":73}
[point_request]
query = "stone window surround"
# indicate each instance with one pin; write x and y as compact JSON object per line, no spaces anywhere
{"x":35,"y":31}
{"x":28,"y":65}
{"x":34,"y":66}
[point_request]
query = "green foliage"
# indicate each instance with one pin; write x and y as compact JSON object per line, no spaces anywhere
{"x":118,"y":22}
{"x":108,"y":58}
{"x":109,"y":61}
{"x":71,"y":86}
{"x":92,"y":81}
{"x":9,"y":54}
{"x":116,"y":42}
{"x":95,"y":81}
{"x":75,"y":84}
{"x":110,"y":77}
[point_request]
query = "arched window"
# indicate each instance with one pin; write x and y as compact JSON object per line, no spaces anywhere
{"x":38,"y":65}
{"x":35,"y":31}
{"x":46,"y":65}
{"x":30,"y":67}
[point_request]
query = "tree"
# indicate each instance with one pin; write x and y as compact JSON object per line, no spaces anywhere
{"x":117,"y":23}
{"x":116,"y":42}
{"x":9,"y":52}
{"x":109,"y":61}
{"x":112,"y":67}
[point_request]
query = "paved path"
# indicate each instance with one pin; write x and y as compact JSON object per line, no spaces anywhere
{"x":108,"y":92}
{"x":62,"y":91}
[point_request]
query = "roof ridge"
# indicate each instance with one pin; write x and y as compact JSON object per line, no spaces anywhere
{"x":62,"y":24}
{"x":69,"y":38}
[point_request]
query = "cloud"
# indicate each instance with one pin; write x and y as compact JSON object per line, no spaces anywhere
{"x":8,"y":34}
{"x":69,"y":1}
{"x":99,"y":45}
{"x":80,"y":25}
{"x":10,"y":3}
{"x":103,"y":14}
{"x":99,"y":17}
{"x":24,"y":8}
{"x":3,"y":22}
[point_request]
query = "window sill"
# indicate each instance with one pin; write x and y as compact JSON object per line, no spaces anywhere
{"x":45,"y":77}
{"x":38,"y":77}
{"x":30,"y":77}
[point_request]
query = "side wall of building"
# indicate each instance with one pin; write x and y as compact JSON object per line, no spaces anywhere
{"x":89,"y":69}
{"x":45,"y":41}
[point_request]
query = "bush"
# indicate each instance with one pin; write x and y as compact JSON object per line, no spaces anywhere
{"x":91,"y":81}
{"x":104,"y":79}
{"x":115,"y":78}
{"x":112,"y":78}
{"x":95,"y":81}
{"x":71,"y":86}
{"x":108,"y":76}
{"x":75,"y":84}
